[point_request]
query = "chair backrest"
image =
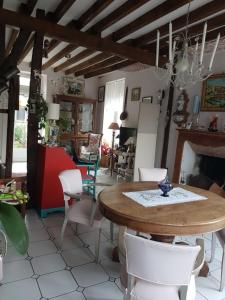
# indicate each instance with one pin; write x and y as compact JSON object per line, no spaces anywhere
{"x":159,"y":263}
{"x":71,"y":182}
{"x":154,"y":174}
{"x":94,"y":141}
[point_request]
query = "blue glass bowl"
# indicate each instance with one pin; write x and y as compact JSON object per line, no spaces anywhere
{"x":165,"y":186}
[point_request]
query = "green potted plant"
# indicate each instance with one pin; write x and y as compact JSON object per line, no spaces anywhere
{"x":14,"y":227}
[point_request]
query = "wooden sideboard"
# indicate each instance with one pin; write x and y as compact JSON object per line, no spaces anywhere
{"x":197,"y":137}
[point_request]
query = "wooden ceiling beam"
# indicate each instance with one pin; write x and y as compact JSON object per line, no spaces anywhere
{"x":159,"y":11}
{"x":85,"y":18}
{"x":75,"y":37}
{"x":108,"y":69}
{"x":106,"y":63}
{"x":109,"y":20}
{"x":92,"y":61}
{"x":119,"y":13}
{"x":74,"y":59}
{"x":27,"y":9}
{"x":196,"y":30}
{"x":178,"y":24}
{"x":59,"y":12}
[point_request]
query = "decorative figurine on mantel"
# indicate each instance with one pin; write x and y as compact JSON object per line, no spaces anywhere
{"x":213,"y":124}
{"x":180,"y":116}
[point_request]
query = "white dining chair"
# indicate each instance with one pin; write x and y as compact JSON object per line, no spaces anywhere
{"x":3,"y":251}
{"x":159,"y":269}
{"x":154,"y":174}
{"x":84,"y":209}
{"x":220,"y":235}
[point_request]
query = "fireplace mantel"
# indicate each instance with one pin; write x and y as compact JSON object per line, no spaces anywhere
{"x":203,"y":138}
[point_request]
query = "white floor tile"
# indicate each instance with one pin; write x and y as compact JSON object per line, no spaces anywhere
{"x":71,"y":296}
{"x":56,"y":284}
{"x":16,"y":270}
{"x":106,"y":249}
{"x":20,"y":290}
{"x":209,"y":288}
{"x":38,"y":235}
{"x":41,"y":248}
{"x":78,"y":256}
{"x":111,"y":268}
{"x":56,"y":231}
{"x":53,"y":220}
{"x":82,"y":228}
{"x":13,"y":255}
{"x":89,"y":238}
{"x":69,"y":242}
{"x":104,"y":291}
{"x":34,"y":223}
{"x":200,"y":297}
{"x":48,"y":263}
{"x":89,"y":274}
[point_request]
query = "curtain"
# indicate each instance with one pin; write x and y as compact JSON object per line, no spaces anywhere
{"x":113,"y":106}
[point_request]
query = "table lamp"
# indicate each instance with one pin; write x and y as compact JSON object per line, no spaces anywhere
{"x":113,"y":126}
{"x":53,"y":116}
{"x":130,"y":142}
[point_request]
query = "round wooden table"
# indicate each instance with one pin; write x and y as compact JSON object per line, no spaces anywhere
{"x":166,"y":221}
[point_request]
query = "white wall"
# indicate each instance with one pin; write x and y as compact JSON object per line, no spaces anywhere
{"x":218,"y":67}
{"x":149,"y":84}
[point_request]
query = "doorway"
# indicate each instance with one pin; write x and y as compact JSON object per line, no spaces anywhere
{"x":19,"y":166}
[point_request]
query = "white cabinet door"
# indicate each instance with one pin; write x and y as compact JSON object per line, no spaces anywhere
{"x":146,"y":137}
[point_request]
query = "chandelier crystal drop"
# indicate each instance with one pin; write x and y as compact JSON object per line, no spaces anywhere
{"x":185,"y":65}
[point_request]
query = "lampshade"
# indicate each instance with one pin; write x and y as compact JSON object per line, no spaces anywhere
{"x":114,"y":126}
{"x":53,"y":111}
{"x":131,"y":140}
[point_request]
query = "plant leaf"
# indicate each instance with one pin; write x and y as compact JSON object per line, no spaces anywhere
{"x":14,"y":227}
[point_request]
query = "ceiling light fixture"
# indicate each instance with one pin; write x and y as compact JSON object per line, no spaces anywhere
{"x":185,"y":65}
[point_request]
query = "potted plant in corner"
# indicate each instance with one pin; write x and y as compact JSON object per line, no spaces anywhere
{"x":14,"y":227}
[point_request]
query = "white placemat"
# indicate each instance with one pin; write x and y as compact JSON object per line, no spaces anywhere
{"x":153,"y":197}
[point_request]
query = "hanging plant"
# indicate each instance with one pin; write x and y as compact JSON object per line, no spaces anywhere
{"x":39,"y":107}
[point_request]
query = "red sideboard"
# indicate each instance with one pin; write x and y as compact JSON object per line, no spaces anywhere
{"x":51,"y":161}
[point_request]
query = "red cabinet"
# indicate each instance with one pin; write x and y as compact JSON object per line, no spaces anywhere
{"x":51,"y":161}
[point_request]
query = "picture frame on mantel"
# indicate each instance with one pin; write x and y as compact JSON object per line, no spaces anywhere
{"x":213,"y":93}
{"x":101,"y":93}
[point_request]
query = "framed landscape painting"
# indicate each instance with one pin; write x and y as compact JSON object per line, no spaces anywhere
{"x":213,"y":93}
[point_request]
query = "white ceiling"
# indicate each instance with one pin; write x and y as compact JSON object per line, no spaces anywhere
{"x":80,"y":6}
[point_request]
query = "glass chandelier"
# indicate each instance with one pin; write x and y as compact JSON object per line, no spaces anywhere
{"x":185,"y":65}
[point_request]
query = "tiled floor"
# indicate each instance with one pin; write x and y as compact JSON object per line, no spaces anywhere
{"x":47,"y":272}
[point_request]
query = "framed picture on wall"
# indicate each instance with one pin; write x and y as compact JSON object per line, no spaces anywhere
{"x":73,"y":86}
{"x":213,"y":93}
{"x":101,"y":93}
{"x":135,"y":94}
{"x":148,"y":99}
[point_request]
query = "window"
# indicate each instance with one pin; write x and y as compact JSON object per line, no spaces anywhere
{"x":114,"y":95}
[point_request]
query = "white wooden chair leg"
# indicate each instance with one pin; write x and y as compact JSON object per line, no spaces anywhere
{"x":111,"y":231}
{"x":63,"y":231}
{"x":213,"y":247}
{"x":222,"y":280}
{"x":97,"y":245}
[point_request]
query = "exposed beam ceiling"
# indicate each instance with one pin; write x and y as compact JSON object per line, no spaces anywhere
{"x":75,"y":37}
{"x":60,"y":10}
{"x":108,"y":69}
{"x":201,"y":13}
{"x":86,"y":17}
{"x":112,"y":18}
{"x":162,"y":10}
{"x":27,"y":10}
